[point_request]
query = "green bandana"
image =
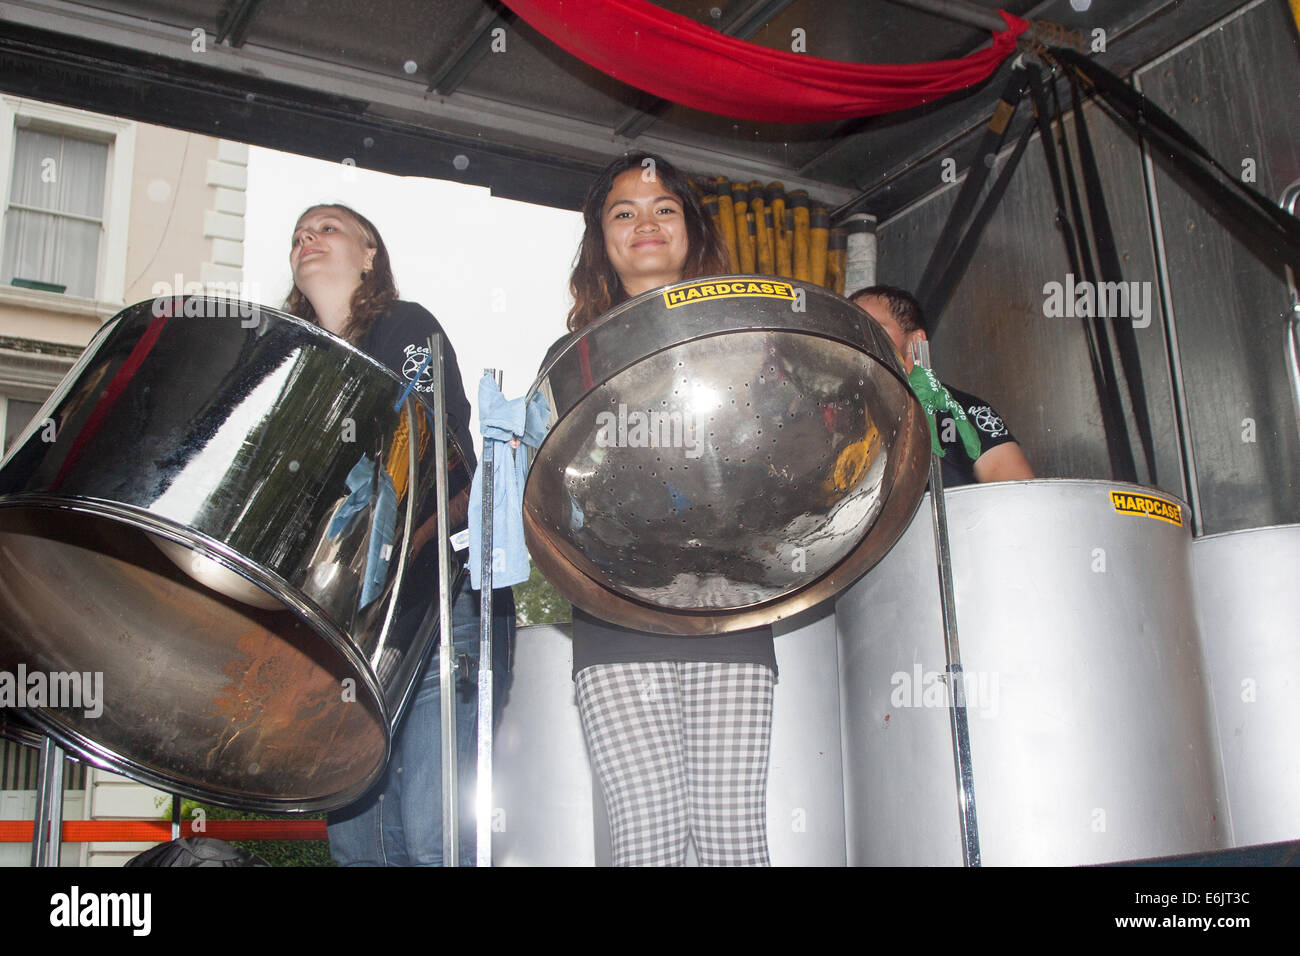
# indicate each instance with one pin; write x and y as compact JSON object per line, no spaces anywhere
{"x":935,"y":398}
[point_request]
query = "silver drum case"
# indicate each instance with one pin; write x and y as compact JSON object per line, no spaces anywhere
{"x":723,"y":453}
{"x":214,"y":440}
{"x":1092,"y":733}
{"x":1249,"y":609}
{"x":554,"y":809}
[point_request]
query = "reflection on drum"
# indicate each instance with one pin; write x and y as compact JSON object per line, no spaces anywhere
{"x":221,"y":527}
{"x":721,"y":461}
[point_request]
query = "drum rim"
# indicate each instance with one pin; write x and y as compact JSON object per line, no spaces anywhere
{"x":629,"y":612}
{"x":306,"y":610}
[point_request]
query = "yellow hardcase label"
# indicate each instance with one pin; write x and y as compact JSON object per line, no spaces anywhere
{"x":1128,"y":503}
{"x":699,"y":291}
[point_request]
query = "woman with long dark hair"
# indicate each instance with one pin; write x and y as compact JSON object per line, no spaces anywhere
{"x":343,"y":282}
{"x":678,"y":728}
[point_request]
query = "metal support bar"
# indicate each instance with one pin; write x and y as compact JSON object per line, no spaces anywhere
{"x":957,"y":717}
{"x":235,"y":27}
{"x":1177,"y":386}
{"x":1290,"y":196}
{"x":447,"y":684}
{"x":961,"y":11}
{"x":468,"y":53}
{"x":47,"y":831}
{"x":483,"y":784}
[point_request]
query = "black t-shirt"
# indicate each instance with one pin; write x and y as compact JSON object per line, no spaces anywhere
{"x":958,"y":469}
{"x":401,"y":340}
{"x":599,"y":642}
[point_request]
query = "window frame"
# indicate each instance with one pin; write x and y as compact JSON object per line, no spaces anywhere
{"x":119,"y":135}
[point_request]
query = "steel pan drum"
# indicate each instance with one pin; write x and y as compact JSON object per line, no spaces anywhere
{"x":723,"y":453}
{"x":1091,"y":729}
{"x":211,"y":518}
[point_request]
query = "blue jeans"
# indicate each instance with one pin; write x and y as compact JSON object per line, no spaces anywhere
{"x":399,"y":820}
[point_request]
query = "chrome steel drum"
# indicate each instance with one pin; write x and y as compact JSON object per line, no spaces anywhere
{"x":210,"y":521}
{"x":1091,"y":729}
{"x":723,"y":453}
{"x":1249,"y":609}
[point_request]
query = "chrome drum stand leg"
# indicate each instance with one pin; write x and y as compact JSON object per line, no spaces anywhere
{"x":47,"y":832}
{"x":970,"y":840}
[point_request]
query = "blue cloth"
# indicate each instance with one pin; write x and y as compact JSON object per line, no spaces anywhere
{"x":383,"y":522}
{"x":399,"y":820}
{"x":500,"y":420}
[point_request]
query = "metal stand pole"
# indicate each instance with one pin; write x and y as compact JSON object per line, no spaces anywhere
{"x":446,"y":655}
{"x":483,"y":794}
{"x":1290,"y":196}
{"x":47,"y":831}
{"x":970,"y":840}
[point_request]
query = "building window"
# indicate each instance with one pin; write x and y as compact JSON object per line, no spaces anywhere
{"x":55,"y":215}
{"x":15,"y":414}
{"x":65,"y":191}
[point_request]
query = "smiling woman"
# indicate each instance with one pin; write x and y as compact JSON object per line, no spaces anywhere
{"x":645,"y":232}
{"x":645,"y":226}
{"x":678,"y":728}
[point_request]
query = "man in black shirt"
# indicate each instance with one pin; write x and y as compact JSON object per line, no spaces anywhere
{"x":899,"y":314}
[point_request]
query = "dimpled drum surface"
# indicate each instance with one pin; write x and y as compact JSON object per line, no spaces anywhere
{"x":723,"y":453}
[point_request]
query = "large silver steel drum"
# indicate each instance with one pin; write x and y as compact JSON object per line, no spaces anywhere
{"x":723,"y":453}
{"x":208,"y":526}
{"x":551,"y":807}
{"x":1249,"y":609}
{"x":1091,"y":730}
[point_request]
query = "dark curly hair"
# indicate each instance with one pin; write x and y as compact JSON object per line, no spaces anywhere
{"x":594,"y":284}
{"x":373,"y":298}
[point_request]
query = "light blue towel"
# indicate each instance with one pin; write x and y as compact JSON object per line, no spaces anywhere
{"x":500,"y":420}
{"x":383,"y":521}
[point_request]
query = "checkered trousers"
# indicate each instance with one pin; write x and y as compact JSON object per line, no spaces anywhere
{"x":681,"y":750}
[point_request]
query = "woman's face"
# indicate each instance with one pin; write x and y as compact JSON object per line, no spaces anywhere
{"x":329,"y":242}
{"x":645,"y":233}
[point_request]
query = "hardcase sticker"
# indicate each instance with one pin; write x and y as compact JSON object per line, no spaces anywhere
{"x":699,"y":291}
{"x":1128,"y":503}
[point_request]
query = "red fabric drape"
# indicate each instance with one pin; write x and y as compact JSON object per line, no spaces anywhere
{"x":680,"y":60}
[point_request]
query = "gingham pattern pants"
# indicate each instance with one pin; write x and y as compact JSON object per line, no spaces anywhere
{"x":681,"y":751}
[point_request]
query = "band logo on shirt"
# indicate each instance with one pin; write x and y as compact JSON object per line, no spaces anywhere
{"x":698,"y":291}
{"x":416,"y":356}
{"x":987,"y":420}
{"x":1127,"y":503}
